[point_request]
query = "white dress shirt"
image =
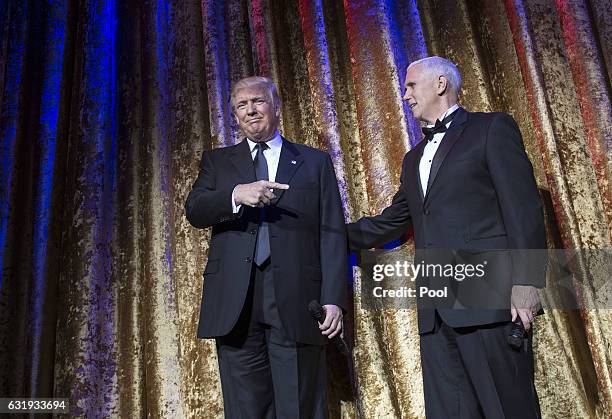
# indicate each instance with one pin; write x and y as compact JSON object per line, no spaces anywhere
{"x":430,"y":151}
{"x":272,"y":155}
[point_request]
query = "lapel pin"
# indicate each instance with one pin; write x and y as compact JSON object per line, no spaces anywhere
{"x":293,"y":162}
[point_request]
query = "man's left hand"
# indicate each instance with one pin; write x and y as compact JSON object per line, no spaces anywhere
{"x":525,"y":303}
{"x":332,"y":326}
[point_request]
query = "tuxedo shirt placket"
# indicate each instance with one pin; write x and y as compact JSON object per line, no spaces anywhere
{"x":430,"y":151}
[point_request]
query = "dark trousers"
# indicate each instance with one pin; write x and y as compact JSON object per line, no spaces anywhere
{"x":264,"y":374}
{"x":472,"y":372}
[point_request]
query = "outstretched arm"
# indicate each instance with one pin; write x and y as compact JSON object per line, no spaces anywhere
{"x":369,"y":232}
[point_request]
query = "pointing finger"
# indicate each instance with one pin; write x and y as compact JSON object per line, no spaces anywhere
{"x":274,"y":185}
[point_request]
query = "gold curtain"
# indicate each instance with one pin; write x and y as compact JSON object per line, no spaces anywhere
{"x":123,"y":270}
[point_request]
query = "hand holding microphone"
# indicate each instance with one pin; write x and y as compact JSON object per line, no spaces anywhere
{"x":319,"y":314}
{"x":525,"y":305}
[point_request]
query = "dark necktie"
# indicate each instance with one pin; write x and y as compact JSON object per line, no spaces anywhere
{"x":262,"y":248}
{"x":438,"y":128}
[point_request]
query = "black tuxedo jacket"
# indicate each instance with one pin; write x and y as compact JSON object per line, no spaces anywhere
{"x":307,"y":238}
{"x":481,"y":196}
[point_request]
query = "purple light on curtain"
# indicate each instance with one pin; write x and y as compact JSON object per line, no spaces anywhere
{"x":165,"y":125}
{"x":319,"y":69}
{"x":55,"y":31}
{"x":96,"y":139}
{"x":408,"y":45}
{"x":217,"y":72}
{"x":259,"y":33}
{"x":16,"y":30}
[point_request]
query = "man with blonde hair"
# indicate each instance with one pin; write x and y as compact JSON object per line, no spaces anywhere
{"x":278,"y":242}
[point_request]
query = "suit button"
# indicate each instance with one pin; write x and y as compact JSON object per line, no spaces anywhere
{"x":248,"y":260}
{"x":425,"y":211}
{"x":253,"y":231}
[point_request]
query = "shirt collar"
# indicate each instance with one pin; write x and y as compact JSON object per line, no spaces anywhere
{"x":448,"y":112}
{"x":275,"y":143}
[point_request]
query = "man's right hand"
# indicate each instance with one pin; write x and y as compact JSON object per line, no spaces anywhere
{"x":256,"y":194}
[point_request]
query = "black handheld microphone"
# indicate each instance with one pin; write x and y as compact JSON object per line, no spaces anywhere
{"x":516,"y":335}
{"x":318,"y":313}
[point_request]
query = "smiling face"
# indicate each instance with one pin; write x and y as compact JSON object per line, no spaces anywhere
{"x":422,"y":93}
{"x":255,"y":113}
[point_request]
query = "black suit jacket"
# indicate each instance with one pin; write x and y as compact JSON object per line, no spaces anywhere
{"x":307,"y":238}
{"x":481,"y":195}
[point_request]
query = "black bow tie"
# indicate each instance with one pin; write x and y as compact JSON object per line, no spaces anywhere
{"x":439,"y":127}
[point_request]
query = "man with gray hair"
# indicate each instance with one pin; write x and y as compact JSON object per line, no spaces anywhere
{"x":469,"y":193}
{"x":278,"y":242}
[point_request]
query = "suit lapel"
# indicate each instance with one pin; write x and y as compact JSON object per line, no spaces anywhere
{"x":448,"y":141}
{"x":288,"y":163}
{"x":243,"y":161}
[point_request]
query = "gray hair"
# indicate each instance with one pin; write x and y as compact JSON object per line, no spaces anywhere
{"x":442,"y":67}
{"x":256,"y":81}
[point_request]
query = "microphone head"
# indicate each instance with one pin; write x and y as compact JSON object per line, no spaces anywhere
{"x":316,"y":310}
{"x":314,"y":305}
{"x":515,"y":342}
{"x":517,"y":334}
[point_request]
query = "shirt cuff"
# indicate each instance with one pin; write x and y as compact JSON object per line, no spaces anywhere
{"x":235,"y":208}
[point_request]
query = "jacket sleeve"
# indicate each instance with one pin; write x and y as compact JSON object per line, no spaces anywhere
{"x":520,"y":203}
{"x":334,"y":264}
{"x":206,"y":204}
{"x":369,"y":232}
